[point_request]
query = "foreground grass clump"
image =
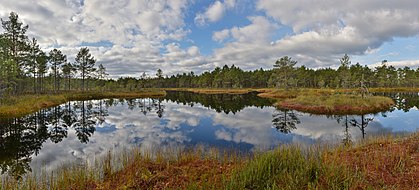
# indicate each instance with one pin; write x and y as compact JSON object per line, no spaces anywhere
{"x":292,"y":168}
{"x":18,"y":106}
{"x":379,"y":163}
{"x":169,"y":168}
{"x":385,"y":162}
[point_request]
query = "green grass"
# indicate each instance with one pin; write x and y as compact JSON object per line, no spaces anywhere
{"x":328,"y":101}
{"x":17,"y":106}
{"x":214,"y":90}
{"x":338,"y":104}
{"x":378,"y":163}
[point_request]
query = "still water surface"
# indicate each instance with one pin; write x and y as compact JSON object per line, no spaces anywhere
{"x":84,"y":129}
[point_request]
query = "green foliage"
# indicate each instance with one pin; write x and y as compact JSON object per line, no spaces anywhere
{"x":56,"y":58}
{"x":85,"y":63}
{"x":284,"y":74}
{"x":8,"y":76}
{"x":15,"y":34}
{"x":344,"y":72}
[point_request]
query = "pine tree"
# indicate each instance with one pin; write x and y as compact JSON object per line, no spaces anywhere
{"x":85,"y":63}
{"x":56,"y":58}
{"x":284,"y":73}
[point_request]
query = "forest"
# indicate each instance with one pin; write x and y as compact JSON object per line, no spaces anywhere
{"x":286,"y":75}
{"x":26,"y":69}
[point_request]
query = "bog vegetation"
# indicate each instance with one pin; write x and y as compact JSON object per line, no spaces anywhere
{"x":392,"y":163}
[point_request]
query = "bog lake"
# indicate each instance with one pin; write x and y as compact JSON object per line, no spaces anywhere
{"x":79,"y":130}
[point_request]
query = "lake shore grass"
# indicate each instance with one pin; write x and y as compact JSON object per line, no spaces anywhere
{"x":281,"y":93}
{"x":377,"y":163}
{"x":214,"y":90}
{"x":328,"y":101}
{"x":18,"y":106}
{"x":338,"y":104}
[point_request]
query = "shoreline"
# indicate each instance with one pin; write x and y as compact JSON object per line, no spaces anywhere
{"x":20,"y":106}
{"x":25,"y":104}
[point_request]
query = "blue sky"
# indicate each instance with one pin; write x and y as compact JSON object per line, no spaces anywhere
{"x":130,"y":37}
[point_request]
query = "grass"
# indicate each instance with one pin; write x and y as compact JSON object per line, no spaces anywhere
{"x":400,"y":89}
{"x":303,"y":99}
{"x":214,"y":90}
{"x":18,"y":106}
{"x":338,"y":104}
{"x":316,"y":101}
{"x":378,"y":163}
{"x":328,"y":101}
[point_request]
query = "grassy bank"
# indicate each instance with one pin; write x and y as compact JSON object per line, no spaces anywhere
{"x":281,"y":93}
{"x":317,"y":101}
{"x":394,"y":89}
{"x":339,"y":104}
{"x":328,"y":101}
{"x":214,"y":90}
{"x":17,"y":106}
{"x":379,"y":163}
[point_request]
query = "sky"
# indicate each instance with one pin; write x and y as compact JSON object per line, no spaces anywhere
{"x":130,"y":37}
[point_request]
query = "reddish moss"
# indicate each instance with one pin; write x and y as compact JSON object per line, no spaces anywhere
{"x":154,"y":175}
{"x":385,"y":164}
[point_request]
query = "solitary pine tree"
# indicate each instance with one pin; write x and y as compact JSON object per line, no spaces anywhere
{"x":159,"y":75}
{"x":57,"y":59}
{"x":101,"y":75}
{"x":343,"y":71}
{"x":85,"y":63}
{"x":283,"y":73}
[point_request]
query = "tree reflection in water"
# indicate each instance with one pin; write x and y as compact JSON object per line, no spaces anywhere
{"x":22,"y":138}
{"x":285,"y":120}
{"x":227,"y":103}
{"x":347,"y":121}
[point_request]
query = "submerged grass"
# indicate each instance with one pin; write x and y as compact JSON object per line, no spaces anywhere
{"x":379,"y":163}
{"x":18,"y":106}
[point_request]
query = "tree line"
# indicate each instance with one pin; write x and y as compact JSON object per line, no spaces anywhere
{"x":26,"y":68}
{"x":286,"y":75}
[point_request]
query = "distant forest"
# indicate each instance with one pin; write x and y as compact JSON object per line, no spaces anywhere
{"x":286,"y":75}
{"x":25,"y":68}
